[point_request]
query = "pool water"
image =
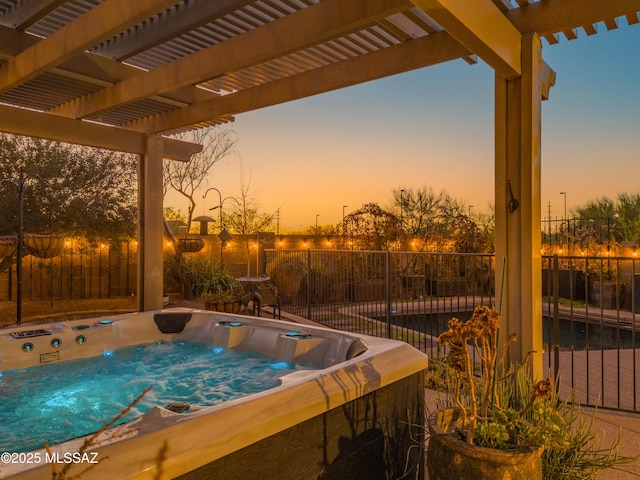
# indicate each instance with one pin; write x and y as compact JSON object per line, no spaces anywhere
{"x":56,"y":402}
{"x":573,"y":335}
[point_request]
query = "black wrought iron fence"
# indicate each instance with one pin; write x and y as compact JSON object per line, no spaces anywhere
{"x":590,"y":326}
{"x":404,"y":295}
{"x":96,"y":272}
{"x":590,"y":307}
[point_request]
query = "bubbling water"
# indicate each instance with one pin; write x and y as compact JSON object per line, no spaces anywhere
{"x":57,"y":402}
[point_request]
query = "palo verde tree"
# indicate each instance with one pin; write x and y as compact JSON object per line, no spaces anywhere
{"x":76,"y":191}
{"x":606,"y":222}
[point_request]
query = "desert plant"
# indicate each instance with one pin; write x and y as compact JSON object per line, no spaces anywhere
{"x":573,"y":451}
{"x":484,"y":420}
{"x":197,"y":275}
{"x":512,"y":410}
{"x":221,"y":292}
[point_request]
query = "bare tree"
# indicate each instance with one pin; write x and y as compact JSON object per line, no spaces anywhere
{"x":188,"y":177}
{"x":441,"y":221}
{"x":246,"y":220}
{"x":417,"y":208}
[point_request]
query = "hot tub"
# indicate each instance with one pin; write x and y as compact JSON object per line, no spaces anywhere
{"x":355,"y":412}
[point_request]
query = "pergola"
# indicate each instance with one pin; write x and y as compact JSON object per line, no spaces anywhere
{"x":126,"y":74}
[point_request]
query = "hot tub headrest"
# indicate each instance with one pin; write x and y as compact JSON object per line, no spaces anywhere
{"x":172,"y":322}
{"x":357,"y":347}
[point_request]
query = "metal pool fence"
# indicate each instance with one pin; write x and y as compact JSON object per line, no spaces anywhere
{"x":590,"y":307}
{"x":90,"y":272}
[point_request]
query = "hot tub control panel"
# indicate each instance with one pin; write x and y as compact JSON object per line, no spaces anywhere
{"x":30,"y":333}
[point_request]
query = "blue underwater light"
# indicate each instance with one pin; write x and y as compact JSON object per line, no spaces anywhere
{"x":281,"y":365}
{"x":228,"y":323}
{"x":298,"y":334}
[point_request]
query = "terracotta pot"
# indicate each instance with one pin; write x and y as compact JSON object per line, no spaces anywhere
{"x":450,"y":457}
{"x":43,"y":246}
{"x":190,"y":245}
{"x":8,"y":246}
{"x":226,"y":307}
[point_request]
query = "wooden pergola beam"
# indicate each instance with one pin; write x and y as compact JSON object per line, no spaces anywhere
{"x":304,"y":28}
{"x":421,"y":52}
{"x":482,"y":28}
{"x":24,"y":14}
{"x":174,"y":22}
{"x":99,"y":24}
{"x":19,"y":121}
{"x":552,"y":16}
{"x":94,"y":69}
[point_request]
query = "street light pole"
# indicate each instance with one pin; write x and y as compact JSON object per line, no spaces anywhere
{"x":401,"y":195}
{"x":343,"y":225}
{"x":565,"y":220}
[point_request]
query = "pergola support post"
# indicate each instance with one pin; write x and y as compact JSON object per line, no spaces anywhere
{"x":518,"y":105}
{"x":150,"y":225}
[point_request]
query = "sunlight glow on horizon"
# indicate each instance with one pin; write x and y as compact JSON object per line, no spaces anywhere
{"x":434,"y":127}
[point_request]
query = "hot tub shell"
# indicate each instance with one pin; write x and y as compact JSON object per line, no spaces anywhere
{"x":358,"y":414}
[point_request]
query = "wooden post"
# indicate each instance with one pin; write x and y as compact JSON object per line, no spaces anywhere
{"x":518,"y":201}
{"x":150,"y":225}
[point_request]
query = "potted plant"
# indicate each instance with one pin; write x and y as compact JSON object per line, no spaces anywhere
{"x":190,"y":244}
{"x":288,"y":271}
{"x":480,"y":437}
{"x":43,"y":245}
{"x":8,"y":246}
{"x":495,"y":424}
{"x":222,"y":293}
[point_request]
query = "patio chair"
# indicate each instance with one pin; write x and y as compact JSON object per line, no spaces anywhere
{"x":254,"y":299}
{"x":269,"y":297}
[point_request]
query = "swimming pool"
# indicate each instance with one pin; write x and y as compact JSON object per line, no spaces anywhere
{"x":356,"y":407}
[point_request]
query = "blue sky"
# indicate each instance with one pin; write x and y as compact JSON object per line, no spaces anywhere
{"x":434,"y":127}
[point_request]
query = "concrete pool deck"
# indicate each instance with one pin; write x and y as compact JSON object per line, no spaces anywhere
{"x":607,"y":425}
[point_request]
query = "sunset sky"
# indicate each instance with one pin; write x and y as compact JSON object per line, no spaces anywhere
{"x":434,"y":127}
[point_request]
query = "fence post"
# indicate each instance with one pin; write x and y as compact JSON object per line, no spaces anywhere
{"x":556,"y":316}
{"x":387,"y":288}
